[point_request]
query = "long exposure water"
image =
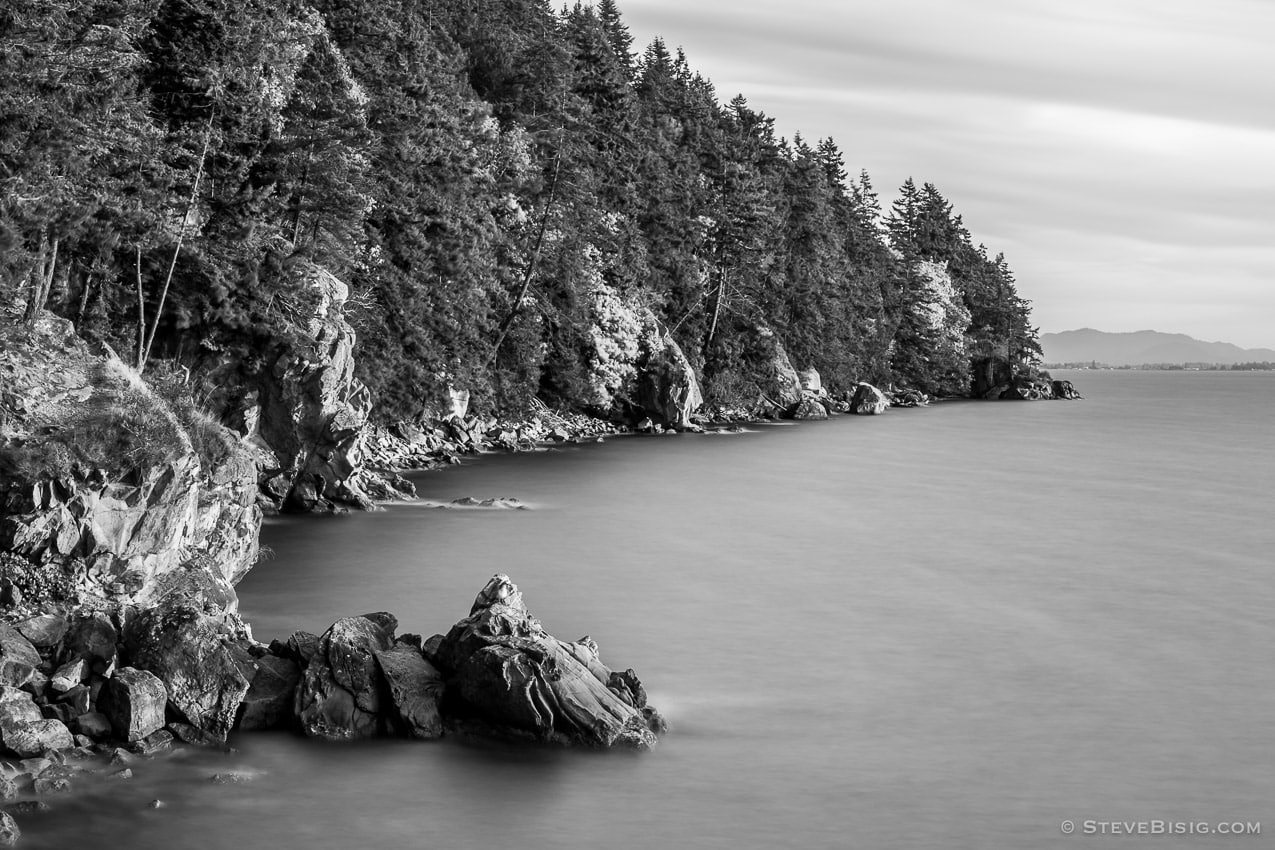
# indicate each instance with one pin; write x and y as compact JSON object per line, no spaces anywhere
{"x":956,"y":626}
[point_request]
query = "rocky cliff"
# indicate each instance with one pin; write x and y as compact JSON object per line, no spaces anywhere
{"x":302,"y":409}
{"x":110,"y":493}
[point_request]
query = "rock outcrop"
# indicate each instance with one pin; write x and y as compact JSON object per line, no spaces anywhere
{"x":777,"y":381}
{"x":668,"y":388}
{"x":303,"y":409}
{"x":637,"y":370}
{"x":505,"y":671}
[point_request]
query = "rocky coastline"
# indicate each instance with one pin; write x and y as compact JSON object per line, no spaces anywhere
{"x":129,"y":514}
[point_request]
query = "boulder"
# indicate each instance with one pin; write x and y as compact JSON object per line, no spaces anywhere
{"x":811,"y":382}
{"x":339,"y":697}
{"x":79,"y":698}
{"x":92,"y":724}
{"x":504,"y":670}
{"x":9,"y":832}
{"x":93,"y":637}
{"x":202,"y":661}
{"x":157,"y":741}
{"x":43,"y":631}
{"x":868,"y":400}
{"x":416,"y":689}
{"x":809,"y":408}
{"x":271,"y":694}
{"x":17,"y":710}
{"x":133,"y":700}
{"x":32,"y":737}
{"x":69,"y":675}
{"x":302,"y":647}
{"x":18,"y":658}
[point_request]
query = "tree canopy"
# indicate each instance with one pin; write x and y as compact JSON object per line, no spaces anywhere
{"x":480,"y":173}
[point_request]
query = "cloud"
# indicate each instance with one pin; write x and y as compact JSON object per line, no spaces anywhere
{"x":1118,"y":151}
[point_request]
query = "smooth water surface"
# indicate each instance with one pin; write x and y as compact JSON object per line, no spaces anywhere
{"x":948,"y":627}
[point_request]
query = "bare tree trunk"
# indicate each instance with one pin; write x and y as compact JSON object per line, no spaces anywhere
{"x":717,"y":307}
{"x":181,"y":235}
{"x":141,"y":312}
{"x":41,"y":278}
{"x":530,"y":272}
{"x":296,"y":218}
{"x":84,"y":301}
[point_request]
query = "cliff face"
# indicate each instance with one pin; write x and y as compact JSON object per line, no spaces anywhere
{"x":303,"y":411}
{"x":110,"y":494}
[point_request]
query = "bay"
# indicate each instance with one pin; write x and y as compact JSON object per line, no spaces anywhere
{"x":955,"y":626}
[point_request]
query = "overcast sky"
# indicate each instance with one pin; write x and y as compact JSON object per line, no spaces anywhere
{"x":1121,"y":153}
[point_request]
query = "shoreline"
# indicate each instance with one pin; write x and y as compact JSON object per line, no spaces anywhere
{"x":106,"y":757}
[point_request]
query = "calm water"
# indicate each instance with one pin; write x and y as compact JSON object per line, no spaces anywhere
{"x":948,"y":627}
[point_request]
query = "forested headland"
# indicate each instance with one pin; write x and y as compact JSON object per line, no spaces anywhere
{"x":512,"y":192}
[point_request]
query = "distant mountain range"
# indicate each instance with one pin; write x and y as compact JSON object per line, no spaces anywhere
{"x":1143,"y":347}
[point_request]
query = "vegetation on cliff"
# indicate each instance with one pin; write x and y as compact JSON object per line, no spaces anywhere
{"x":488,"y":177}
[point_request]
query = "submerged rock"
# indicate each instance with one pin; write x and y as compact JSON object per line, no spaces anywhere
{"x":506,"y":671}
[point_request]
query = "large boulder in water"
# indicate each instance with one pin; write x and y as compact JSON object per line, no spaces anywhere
{"x":340,"y":695}
{"x":1064,"y":390}
{"x":507,"y":672}
{"x":868,"y":400}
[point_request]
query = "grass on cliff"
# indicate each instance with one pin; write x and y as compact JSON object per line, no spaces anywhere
{"x":126,"y":424}
{"x":211,"y":442}
{"x":119,"y":428}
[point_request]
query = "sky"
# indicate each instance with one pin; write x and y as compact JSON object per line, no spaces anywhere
{"x":1121,"y":153}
